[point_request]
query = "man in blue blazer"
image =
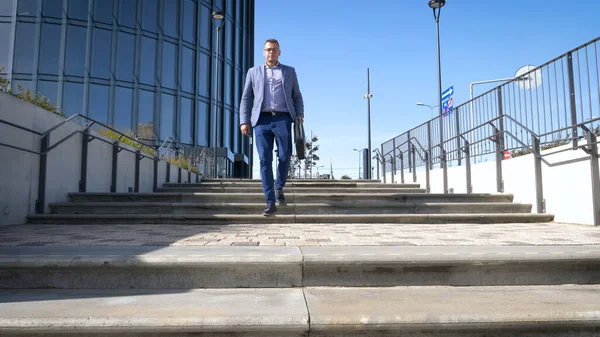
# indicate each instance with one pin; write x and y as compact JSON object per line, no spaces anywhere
{"x":271,"y":101}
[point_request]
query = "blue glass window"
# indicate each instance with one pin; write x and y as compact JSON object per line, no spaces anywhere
{"x":27,"y":7}
{"x":52,"y":8}
{"x":204,"y":75}
{"x":23,"y":84}
{"x":170,"y":22}
{"x":218,"y":4}
{"x":50,"y":49}
{"x":202,"y":124}
{"x":98,"y":103}
{"x":127,"y":13}
{"x":167,"y":116}
{"x":24,"y":48}
{"x":226,"y":127}
{"x":6,"y":8}
{"x":205,"y":21}
{"x":123,"y":109}
{"x":228,"y":80}
{"x":72,"y":103}
{"x":150,"y":15}
{"x":125,"y":55}
{"x":75,"y":54}
{"x":48,"y":89}
{"x":188,"y":71}
{"x":146,"y":128}
{"x":229,"y":27}
{"x":101,"y":53}
{"x":186,"y":123}
{"x":103,"y":11}
{"x":78,"y":9}
{"x":189,"y":21}
{"x":4,"y":41}
{"x":148,"y":61}
{"x":169,"y":65}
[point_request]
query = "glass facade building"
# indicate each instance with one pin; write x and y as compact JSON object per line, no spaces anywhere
{"x":146,"y":67}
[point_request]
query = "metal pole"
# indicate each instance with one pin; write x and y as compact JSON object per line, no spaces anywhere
{"x":84,"y":159}
{"x":216,"y":121}
{"x":368,"y":172}
{"x":593,"y":151}
{"x":539,"y":187}
{"x":445,"y":166}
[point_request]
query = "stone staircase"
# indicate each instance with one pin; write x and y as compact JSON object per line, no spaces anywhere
{"x":315,"y":201}
{"x":324,"y":291}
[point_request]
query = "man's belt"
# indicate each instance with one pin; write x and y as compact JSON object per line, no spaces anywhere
{"x":275,"y":113}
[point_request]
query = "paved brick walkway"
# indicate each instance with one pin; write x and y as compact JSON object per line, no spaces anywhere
{"x":302,"y":234}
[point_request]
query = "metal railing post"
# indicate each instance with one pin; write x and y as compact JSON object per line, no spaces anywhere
{"x":115,"y":159}
{"x":401,"y":167}
{"x":84,"y":159}
{"x":500,"y":144}
{"x":409,"y":157}
{"x":40,"y":203}
{"x":429,"y":149}
{"x":499,"y":159}
{"x":572,"y":99}
{"x":383,"y":164}
{"x":539,"y":188}
{"x":594,"y":168}
{"x":179,"y":168}
{"x":457,"y":135}
{"x":393,"y":164}
{"x":155,"y":180}
{"x":468,"y":159}
{"x":393,"y":159}
{"x":428,"y":186}
{"x":168,"y":177}
{"x":413,"y":152}
{"x":445,"y":165}
{"x":138,"y":159}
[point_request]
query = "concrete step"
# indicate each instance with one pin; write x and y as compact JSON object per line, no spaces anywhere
{"x":258,"y":189}
{"x":160,"y":312}
{"x":343,"y":198}
{"x":211,"y":219}
{"x":566,"y":310}
{"x":290,"y":208}
{"x":294,"y":184}
{"x":187,"y":267}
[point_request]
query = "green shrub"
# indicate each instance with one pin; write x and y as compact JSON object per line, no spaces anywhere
{"x":29,"y":96}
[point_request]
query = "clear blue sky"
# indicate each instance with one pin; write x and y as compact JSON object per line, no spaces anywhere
{"x":332,"y":42}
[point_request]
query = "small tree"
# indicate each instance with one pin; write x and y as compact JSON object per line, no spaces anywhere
{"x":311,"y":154}
{"x":345,"y":176}
{"x":294,"y":166}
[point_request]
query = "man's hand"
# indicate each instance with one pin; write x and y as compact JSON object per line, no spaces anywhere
{"x":300,"y":119}
{"x":245,"y":128}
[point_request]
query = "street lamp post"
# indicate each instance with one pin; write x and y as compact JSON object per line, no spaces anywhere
{"x":368,"y":97}
{"x":358,"y":161}
{"x":218,"y":20}
{"x":430,"y":107}
{"x":437,"y":5}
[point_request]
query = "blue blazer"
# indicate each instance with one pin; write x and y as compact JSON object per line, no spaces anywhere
{"x":254,"y":89}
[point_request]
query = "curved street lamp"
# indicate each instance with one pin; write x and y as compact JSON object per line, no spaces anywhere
{"x":218,"y":17}
{"x":430,"y":107}
{"x":437,"y":5}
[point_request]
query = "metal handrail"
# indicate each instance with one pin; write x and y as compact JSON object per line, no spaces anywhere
{"x":87,"y":137}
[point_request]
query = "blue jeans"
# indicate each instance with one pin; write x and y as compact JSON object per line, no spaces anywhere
{"x":269,"y":128}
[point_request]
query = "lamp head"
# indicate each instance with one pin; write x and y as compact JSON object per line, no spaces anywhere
{"x":437,"y":3}
{"x":218,"y":15}
{"x":420,"y":104}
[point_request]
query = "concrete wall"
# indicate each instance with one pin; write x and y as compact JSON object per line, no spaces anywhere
{"x":566,"y":182}
{"x":19,"y":170}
